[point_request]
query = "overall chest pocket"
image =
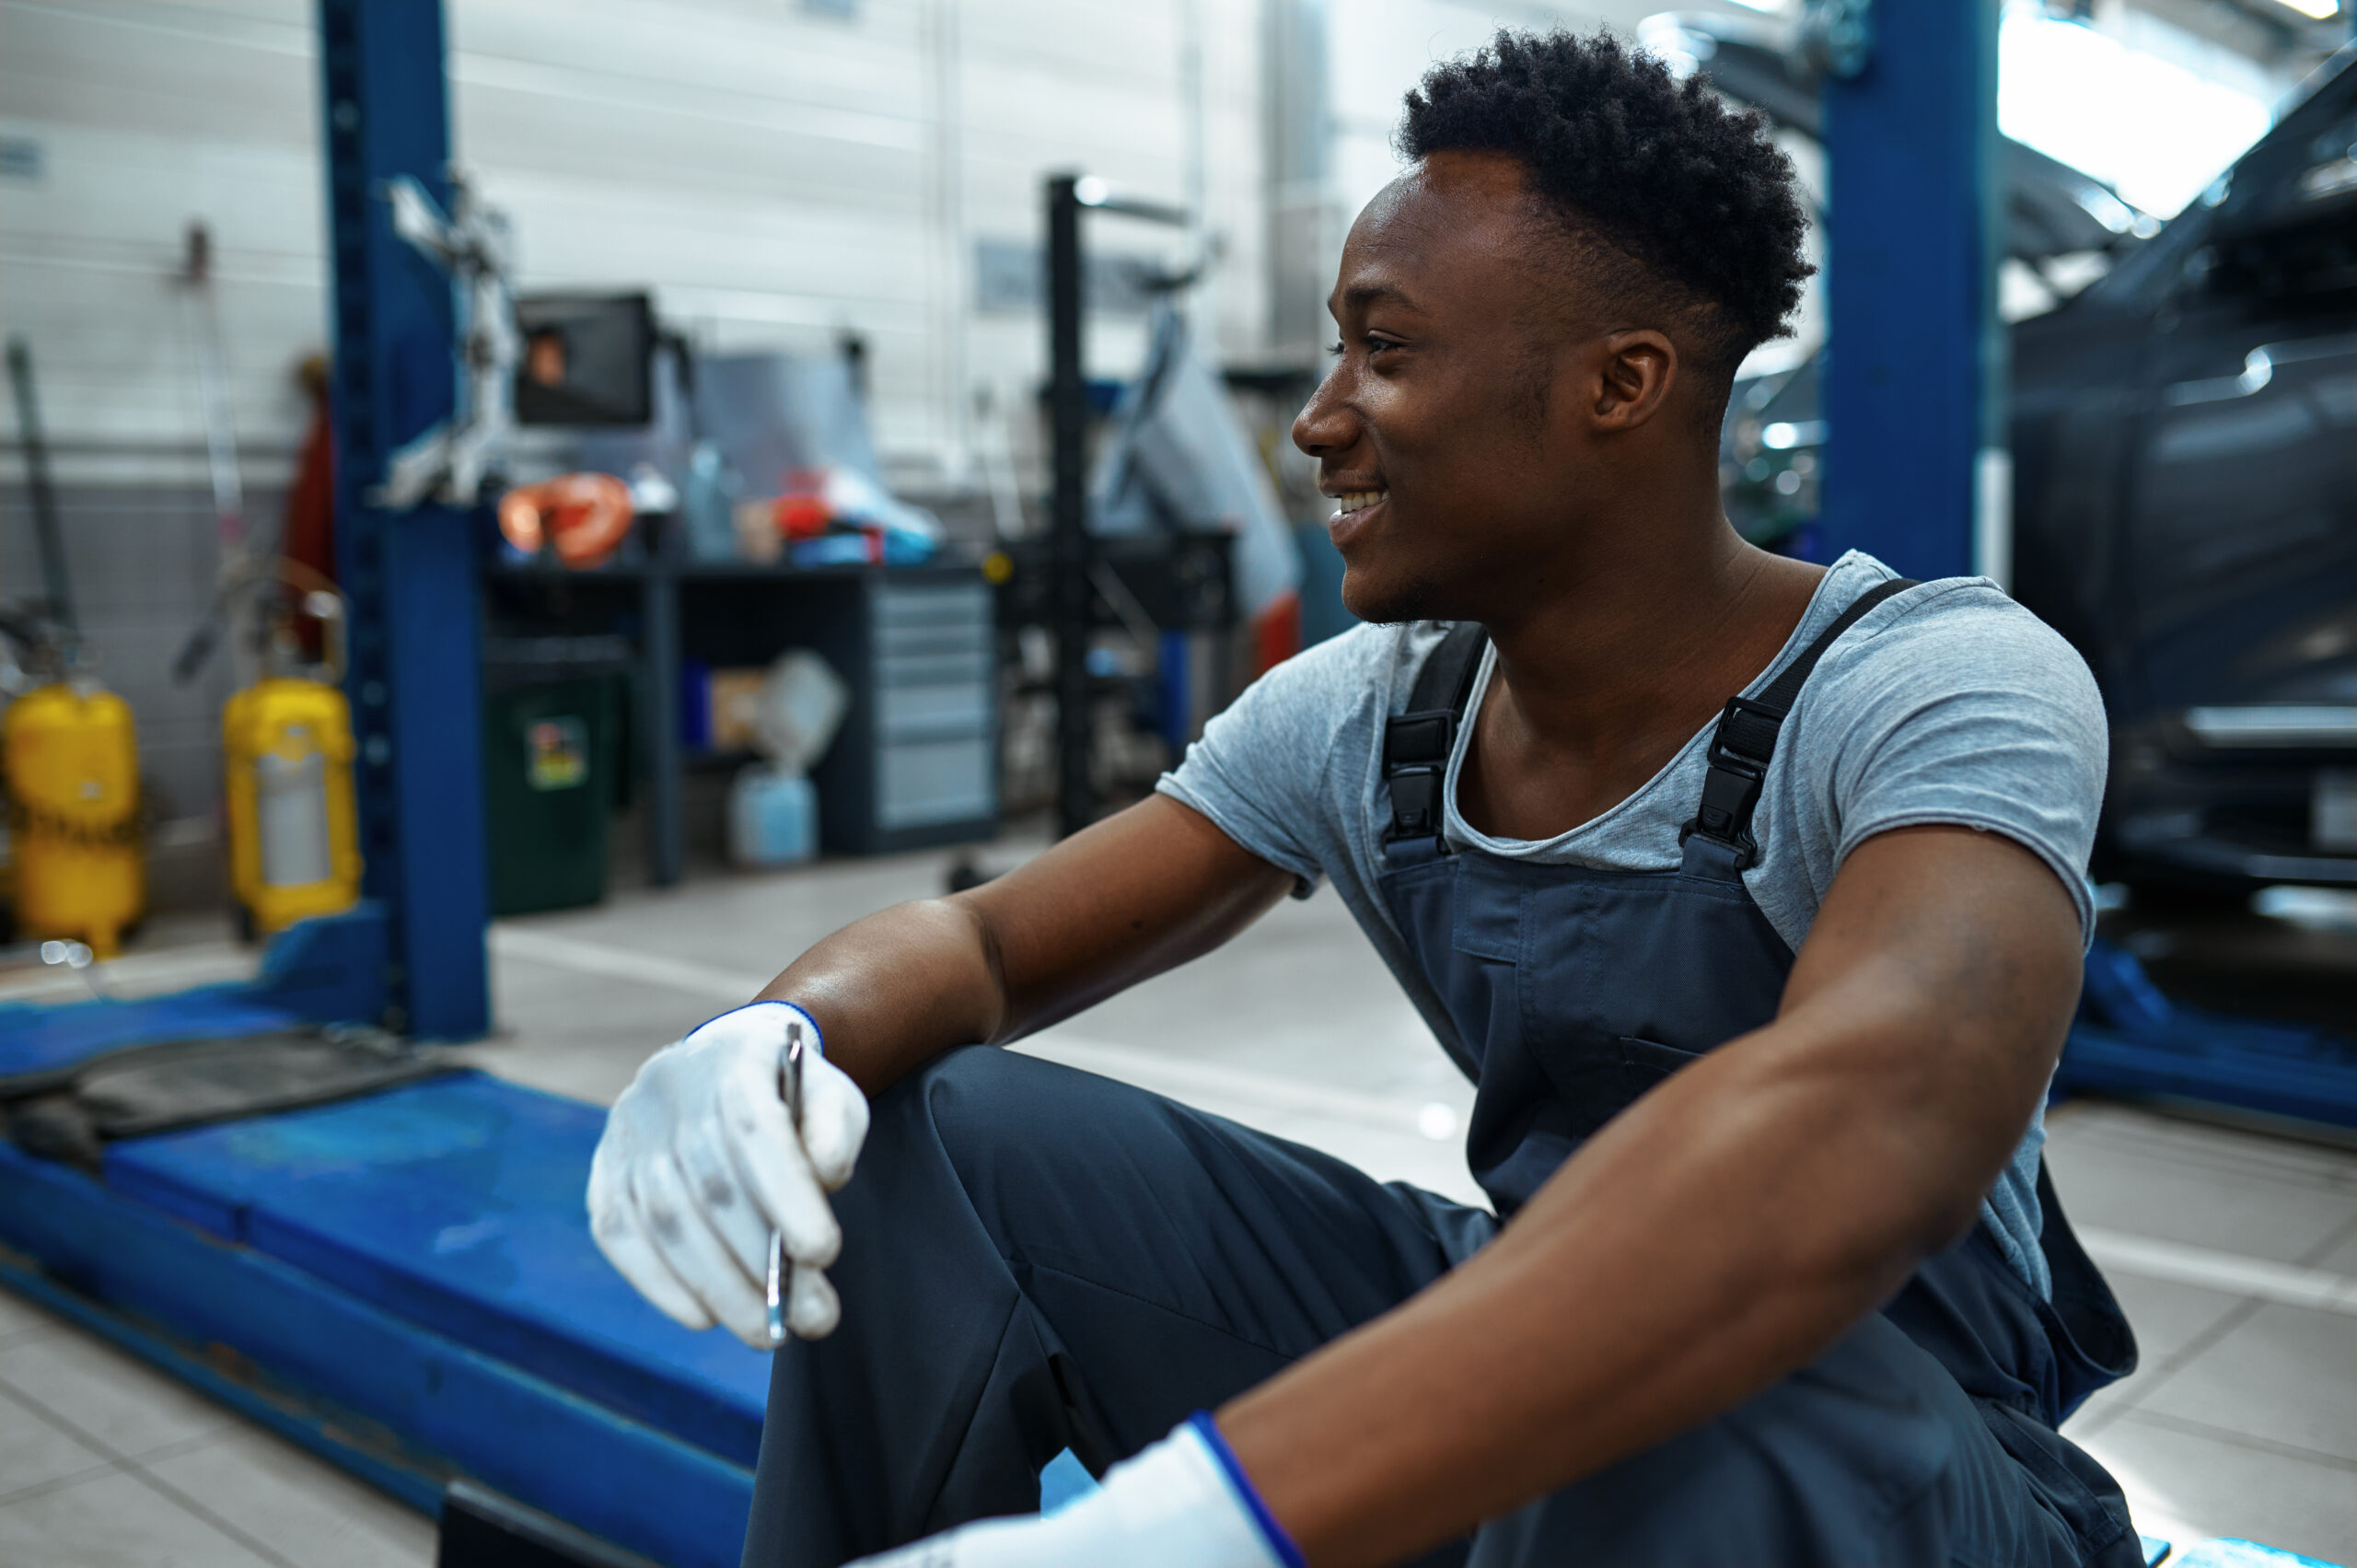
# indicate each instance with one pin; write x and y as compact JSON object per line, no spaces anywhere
{"x":1617,"y":968}
{"x":1645,"y":1063}
{"x":1667,"y":958}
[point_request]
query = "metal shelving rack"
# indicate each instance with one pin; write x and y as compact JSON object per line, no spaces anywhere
{"x":859,"y":619}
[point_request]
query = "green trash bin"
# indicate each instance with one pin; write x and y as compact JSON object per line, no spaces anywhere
{"x":550,"y":772}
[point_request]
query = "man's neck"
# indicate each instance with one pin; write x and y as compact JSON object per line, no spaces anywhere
{"x":1632,"y":649}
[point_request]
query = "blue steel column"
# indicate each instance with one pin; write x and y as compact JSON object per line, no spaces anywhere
{"x":1915,"y":375}
{"x":410,"y":575}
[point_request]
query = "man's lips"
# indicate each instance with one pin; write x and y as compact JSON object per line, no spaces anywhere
{"x":1354,"y":512}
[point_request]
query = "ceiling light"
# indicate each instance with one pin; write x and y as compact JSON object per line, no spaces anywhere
{"x":2315,"y":10}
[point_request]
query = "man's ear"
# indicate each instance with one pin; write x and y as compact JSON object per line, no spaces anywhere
{"x":1637,"y":369}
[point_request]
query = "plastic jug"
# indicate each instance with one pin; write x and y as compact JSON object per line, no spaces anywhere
{"x":773,"y":817}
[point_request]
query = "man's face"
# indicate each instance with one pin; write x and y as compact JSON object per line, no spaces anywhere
{"x":1440,"y":430}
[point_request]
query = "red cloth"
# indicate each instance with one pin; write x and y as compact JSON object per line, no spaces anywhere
{"x":307,"y":535}
{"x":1276,"y":633}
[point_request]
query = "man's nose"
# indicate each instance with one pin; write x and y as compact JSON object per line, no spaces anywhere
{"x":1324,"y":423}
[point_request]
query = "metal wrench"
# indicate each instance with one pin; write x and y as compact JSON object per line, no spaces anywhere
{"x":789,"y":1089}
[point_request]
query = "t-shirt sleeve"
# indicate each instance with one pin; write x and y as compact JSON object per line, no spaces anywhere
{"x":1979,"y":713}
{"x":1260,"y":772}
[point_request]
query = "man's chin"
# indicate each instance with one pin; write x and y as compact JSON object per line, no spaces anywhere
{"x":1389,"y":603}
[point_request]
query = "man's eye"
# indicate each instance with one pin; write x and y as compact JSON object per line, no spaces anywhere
{"x":1335,"y":348}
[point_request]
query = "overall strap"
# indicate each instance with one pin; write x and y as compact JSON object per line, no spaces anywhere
{"x":1745,"y":738}
{"x":1416,"y":745}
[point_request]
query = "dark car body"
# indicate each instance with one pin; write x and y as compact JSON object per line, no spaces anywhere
{"x":2183,"y":436}
{"x":2185,"y":512}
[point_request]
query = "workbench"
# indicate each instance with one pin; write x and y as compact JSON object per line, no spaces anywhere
{"x":916,"y":762}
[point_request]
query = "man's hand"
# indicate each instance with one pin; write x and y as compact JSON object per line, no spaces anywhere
{"x":1180,"y":1503}
{"x":700,"y":1163}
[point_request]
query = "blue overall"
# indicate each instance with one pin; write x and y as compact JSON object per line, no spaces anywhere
{"x":1037,"y":1258}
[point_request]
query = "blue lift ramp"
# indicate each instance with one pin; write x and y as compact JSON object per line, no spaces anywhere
{"x":406,"y":1282}
{"x":2130,"y":1039}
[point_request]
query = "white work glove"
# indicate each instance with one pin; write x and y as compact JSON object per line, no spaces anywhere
{"x":1183,"y":1504}
{"x":700,"y":1163}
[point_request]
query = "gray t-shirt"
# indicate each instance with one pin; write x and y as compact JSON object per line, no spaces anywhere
{"x":1947,"y":703}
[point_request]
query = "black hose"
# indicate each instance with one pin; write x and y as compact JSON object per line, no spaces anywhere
{"x":44,"y":496}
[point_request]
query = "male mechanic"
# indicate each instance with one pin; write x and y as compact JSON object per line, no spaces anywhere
{"x":1761,"y":996}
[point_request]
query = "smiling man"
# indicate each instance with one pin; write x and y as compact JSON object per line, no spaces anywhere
{"x":1750,"y":893}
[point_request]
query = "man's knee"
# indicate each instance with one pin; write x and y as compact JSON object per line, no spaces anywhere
{"x":1014,"y":1132}
{"x":977,"y":1097}
{"x":962,"y":1070}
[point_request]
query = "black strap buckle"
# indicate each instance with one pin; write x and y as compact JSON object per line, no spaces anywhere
{"x":1729,"y":792}
{"x":1415,"y":803}
{"x":1740,"y":749}
{"x":1745,"y":740}
{"x":1414,"y":740}
{"x":1416,"y":745}
{"x":1746,"y":733}
{"x":1415,"y":764}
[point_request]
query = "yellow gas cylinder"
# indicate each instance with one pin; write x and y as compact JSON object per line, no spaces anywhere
{"x":73,"y":762}
{"x":294,"y":833}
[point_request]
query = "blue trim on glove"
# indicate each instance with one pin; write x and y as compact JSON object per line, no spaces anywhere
{"x":1279,"y":1544}
{"x":818,"y":1036}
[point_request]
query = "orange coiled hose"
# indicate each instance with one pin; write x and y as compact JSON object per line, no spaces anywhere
{"x":584,"y":515}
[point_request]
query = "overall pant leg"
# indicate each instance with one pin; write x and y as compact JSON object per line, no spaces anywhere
{"x":1036,"y":1258}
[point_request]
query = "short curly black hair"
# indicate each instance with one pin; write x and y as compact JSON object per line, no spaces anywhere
{"x":1661,"y":172}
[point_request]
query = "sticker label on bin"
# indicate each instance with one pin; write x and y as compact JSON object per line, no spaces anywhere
{"x":558,"y":753}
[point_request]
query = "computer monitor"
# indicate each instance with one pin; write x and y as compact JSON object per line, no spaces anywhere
{"x":586,"y":359}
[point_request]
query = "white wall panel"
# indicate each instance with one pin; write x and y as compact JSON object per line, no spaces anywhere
{"x":719,"y":58}
{"x":775,"y":174}
{"x":190,"y":71}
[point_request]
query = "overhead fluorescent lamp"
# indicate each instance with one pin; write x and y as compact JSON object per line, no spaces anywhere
{"x":2303,"y":724}
{"x":1784,"y":437}
{"x":2314,"y":10}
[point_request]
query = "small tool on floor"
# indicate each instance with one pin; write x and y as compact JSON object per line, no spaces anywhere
{"x":789,"y":1086}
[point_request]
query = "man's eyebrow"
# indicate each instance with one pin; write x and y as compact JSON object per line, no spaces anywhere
{"x":1358,"y":296}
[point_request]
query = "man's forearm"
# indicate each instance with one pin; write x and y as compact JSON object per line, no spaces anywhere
{"x":1118,"y":902}
{"x":895,"y":990}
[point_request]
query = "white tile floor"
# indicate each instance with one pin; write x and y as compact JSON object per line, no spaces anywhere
{"x":2243,"y":1420}
{"x":105,"y":1463}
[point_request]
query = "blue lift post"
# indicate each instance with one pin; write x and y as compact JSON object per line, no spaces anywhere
{"x":410,"y":575}
{"x":1915,"y":376}
{"x":1917,"y":473}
